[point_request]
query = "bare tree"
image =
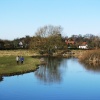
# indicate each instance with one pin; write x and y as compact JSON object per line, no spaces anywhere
{"x":48,"y":38}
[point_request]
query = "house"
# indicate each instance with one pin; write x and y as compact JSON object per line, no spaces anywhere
{"x":21,"y":44}
{"x":83,"y":46}
{"x":69,"y":42}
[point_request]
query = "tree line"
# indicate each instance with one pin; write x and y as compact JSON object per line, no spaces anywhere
{"x":48,"y":39}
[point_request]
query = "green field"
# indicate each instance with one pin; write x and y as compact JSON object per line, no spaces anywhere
{"x":8,"y":65}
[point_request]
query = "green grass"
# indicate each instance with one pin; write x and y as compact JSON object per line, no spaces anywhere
{"x":8,"y":65}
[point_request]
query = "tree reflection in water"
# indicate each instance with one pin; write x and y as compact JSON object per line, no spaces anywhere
{"x":1,"y":78}
{"x":92,"y":66}
{"x":51,"y":72}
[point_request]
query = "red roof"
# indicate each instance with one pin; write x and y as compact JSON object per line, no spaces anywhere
{"x":84,"y":43}
{"x":69,"y":42}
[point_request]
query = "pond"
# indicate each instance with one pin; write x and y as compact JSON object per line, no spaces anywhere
{"x":59,"y":79}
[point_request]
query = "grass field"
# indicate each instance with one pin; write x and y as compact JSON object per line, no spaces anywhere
{"x":8,"y":65}
{"x":17,"y":53}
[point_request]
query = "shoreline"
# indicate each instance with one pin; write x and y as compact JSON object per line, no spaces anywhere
{"x":31,"y":55}
{"x":18,"y":73}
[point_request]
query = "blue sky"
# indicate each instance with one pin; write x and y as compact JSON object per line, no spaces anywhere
{"x":19,"y":18}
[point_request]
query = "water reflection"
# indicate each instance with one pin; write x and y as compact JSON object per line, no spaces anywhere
{"x":75,"y":83}
{"x":92,"y":66}
{"x":1,"y":78}
{"x":51,"y":72}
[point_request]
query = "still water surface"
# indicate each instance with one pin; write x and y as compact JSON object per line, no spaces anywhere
{"x":60,"y":79}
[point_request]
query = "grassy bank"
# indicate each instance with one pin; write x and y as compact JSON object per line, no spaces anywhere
{"x":8,"y":65}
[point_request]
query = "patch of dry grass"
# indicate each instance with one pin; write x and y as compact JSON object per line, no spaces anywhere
{"x":17,"y":52}
{"x":91,"y":56}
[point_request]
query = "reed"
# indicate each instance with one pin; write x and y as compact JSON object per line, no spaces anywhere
{"x":92,"y":56}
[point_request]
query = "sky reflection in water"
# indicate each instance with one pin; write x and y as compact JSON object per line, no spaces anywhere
{"x":60,"y":79}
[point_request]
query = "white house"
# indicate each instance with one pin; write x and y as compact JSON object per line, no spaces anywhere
{"x":83,"y":46}
{"x":21,"y":44}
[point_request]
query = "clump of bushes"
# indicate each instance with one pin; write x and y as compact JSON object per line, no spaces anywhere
{"x":92,"y":56}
